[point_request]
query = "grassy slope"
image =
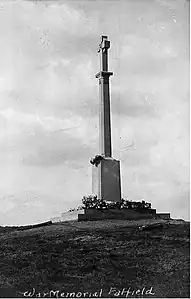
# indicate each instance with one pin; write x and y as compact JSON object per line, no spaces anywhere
{"x":85,"y":257}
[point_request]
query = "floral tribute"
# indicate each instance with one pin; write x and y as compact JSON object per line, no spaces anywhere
{"x":96,"y":160}
{"x":92,"y":202}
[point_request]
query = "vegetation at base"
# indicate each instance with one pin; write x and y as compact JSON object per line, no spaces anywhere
{"x":73,"y":257}
{"x":92,"y":202}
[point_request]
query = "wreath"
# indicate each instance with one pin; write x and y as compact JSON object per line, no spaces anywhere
{"x":96,"y":160}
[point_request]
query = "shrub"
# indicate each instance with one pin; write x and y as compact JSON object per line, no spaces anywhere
{"x":89,"y":201}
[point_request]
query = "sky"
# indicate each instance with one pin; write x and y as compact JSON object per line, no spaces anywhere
{"x":49,"y":103}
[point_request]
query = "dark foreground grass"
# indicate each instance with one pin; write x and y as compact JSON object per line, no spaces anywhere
{"x":69,"y":258}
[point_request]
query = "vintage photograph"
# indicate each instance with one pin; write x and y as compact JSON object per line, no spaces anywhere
{"x":94,"y":149}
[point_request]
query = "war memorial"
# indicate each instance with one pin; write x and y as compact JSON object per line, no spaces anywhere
{"x":106,"y":201}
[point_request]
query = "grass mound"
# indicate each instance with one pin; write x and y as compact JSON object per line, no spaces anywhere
{"x":89,"y":257}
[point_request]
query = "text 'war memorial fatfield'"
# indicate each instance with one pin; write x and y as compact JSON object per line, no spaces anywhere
{"x":106,"y":201}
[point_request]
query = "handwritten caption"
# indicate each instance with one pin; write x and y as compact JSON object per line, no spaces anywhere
{"x":112,"y":292}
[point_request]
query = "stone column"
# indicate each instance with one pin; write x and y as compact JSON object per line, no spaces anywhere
{"x":106,"y":182}
{"x":104,"y":118}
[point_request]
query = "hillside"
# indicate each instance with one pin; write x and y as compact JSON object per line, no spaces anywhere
{"x":95,"y":257}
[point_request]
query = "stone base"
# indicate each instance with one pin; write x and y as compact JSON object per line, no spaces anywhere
{"x":165,"y":216}
{"x":106,"y":181}
{"x":123,"y":214}
{"x":67,"y":216}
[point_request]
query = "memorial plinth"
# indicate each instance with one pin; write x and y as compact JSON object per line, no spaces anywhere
{"x":106,"y":180}
{"x":120,"y":214}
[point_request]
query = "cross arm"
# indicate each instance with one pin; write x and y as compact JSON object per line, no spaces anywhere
{"x":105,"y":43}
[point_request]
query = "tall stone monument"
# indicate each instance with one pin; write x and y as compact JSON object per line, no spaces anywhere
{"x":106,"y":182}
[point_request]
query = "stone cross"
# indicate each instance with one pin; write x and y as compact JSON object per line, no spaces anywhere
{"x":104,"y":119}
{"x":106,"y":183}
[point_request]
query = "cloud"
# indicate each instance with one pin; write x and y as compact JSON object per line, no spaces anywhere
{"x":45,"y":141}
